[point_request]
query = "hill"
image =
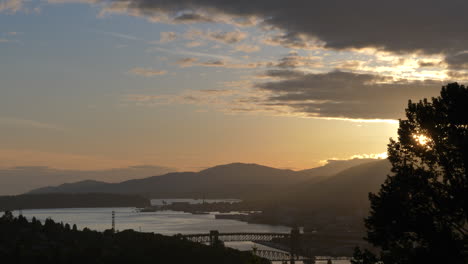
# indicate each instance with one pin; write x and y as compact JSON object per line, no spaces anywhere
{"x":236,"y":180}
{"x":346,"y":190}
{"x":21,"y":179}
{"x":332,"y":167}
{"x":231,"y":180}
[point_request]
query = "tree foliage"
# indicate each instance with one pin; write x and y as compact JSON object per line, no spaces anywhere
{"x":23,"y":241}
{"x":420,"y":213}
{"x":363,"y":257}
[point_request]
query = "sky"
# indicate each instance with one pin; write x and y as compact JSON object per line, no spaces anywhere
{"x":189,"y":84}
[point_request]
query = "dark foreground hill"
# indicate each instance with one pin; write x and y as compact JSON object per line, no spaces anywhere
{"x":236,"y":180}
{"x":33,"y":242}
{"x":62,"y":200}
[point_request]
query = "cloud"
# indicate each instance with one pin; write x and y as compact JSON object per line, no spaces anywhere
{"x":293,"y":60}
{"x":192,"y":18}
{"x":230,"y":65}
{"x":218,"y":63}
{"x":297,"y":85}
{"x":147,"y":72}
{"x":458,"y":61}
{"x":247,"y":48}
{"x":225,"y":37}
{"x":186,"y":62}
{"x":12,"y":6}
{"x":211,"y":97}
{"x":8,"y":121}
{"x":165,"y":37}
{"x":293,"y":40}
{"x":355,"y":158}
{"x":192,"y":44}
{"x":281,"y":74}
{"x":191,"y":53}
{"x":228,"y":37}
{"x":428,"y":64}
{"x":399,"y":26}
{"x":116,"y":35}
{"x":345,"y":95}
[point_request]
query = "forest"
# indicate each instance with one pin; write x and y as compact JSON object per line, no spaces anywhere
{"x":23,"y":241}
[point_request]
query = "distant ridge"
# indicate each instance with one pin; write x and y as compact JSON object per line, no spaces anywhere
{"x":75,"y":187}
{"x":347,"y":190}
{"x":235,"y":180}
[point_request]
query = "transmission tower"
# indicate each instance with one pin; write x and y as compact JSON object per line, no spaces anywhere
{"x":113,"y":221}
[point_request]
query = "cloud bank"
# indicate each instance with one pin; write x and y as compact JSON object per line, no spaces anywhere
{"x":340,"y":94}
{"x":398,"y":26}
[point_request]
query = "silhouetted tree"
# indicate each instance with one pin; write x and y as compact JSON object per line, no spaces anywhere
{"x":27,"y":242}
{"x":421,"y":211}
{"x":363,"y":257}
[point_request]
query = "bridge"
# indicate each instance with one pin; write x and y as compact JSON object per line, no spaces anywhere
{"x":215,"y":237}
{"x":234,"y":237}
{"x":274,"y":255}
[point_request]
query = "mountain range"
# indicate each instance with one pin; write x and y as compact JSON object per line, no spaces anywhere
{"x":239,"y":180}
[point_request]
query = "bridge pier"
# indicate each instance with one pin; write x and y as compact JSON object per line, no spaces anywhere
{"x":295,"y":243}
{"x":214,"y":237}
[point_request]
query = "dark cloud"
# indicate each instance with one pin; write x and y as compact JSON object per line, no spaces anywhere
{"x":283,"y":74}
{"x":294,"y":60}
{"x":456,"y":75}
{"x":228,"y":37}
{"x":345,"y":95}
{"x":428,"y":64}
{"x":192,"y":18}
{"x":457,"y":61}
{"x":214,"y":63}
{"x":428,"y":26}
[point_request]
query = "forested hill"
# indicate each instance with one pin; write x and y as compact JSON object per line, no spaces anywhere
{"x":61,"y":200}
{"x":33,"y":242}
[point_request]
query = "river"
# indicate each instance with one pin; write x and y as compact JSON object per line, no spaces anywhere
{"x":162,"y":222}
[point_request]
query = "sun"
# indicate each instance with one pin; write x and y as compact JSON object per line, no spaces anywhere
{"x":421,"y":139}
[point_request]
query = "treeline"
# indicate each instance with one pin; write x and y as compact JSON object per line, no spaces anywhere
{"x":23,"y":241}
{"x":57,"y":200}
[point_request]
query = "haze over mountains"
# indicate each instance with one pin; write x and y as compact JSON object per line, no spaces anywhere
{"x":19,"y":180}
{"x":239,"y":180}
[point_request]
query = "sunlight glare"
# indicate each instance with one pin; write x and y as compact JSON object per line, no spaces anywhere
{"x":421,"y":139}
